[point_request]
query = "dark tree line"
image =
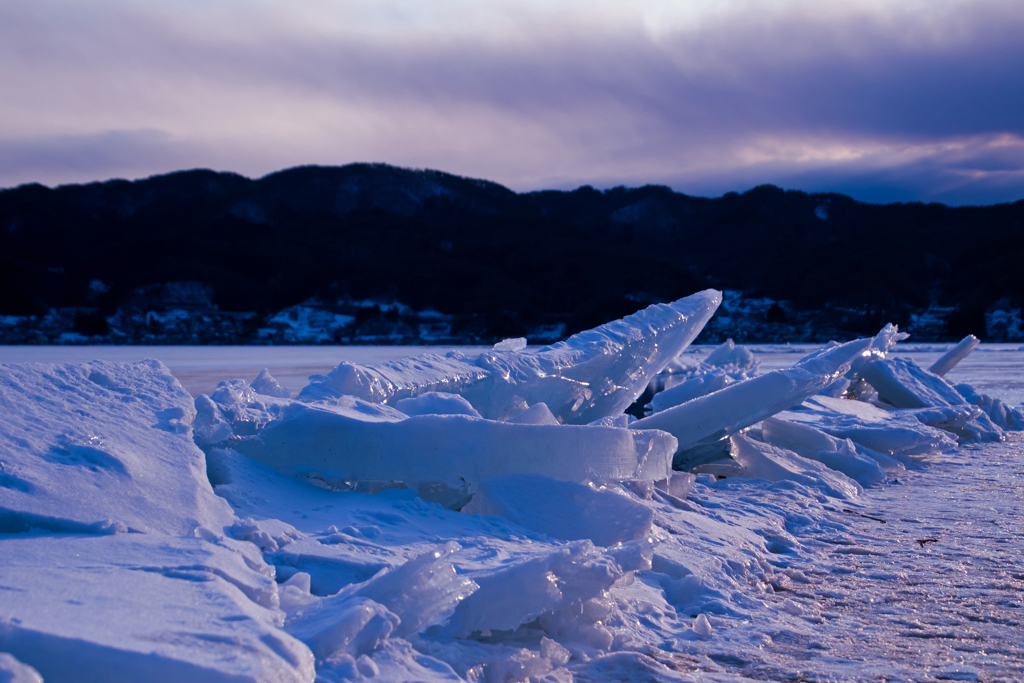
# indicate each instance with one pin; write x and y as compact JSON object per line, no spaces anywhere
{"x":463,"y":246}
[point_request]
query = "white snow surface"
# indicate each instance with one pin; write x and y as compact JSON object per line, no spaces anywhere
{"x":101,"y":448}
{"x":240,"y":572}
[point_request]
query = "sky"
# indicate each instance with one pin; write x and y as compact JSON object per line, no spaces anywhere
{"x":901,"y":100}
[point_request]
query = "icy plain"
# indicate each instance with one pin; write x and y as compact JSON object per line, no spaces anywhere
{"x":919,"y":577}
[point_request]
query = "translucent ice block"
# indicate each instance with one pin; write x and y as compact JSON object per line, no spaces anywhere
{"x":763,"y":461}
{"x":814,"y":444}
{"x":599,"y":372}
{"x":593,"y":374}
{"x":949,"y":360}
{"x":455,"y":450}
{"x":695,"y":387}
{"x":904,"y":384}
{"x":708,"y":419}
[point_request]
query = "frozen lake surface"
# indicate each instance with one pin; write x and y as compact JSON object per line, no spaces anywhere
{"x":918,"y":579}
{"x":996,"y":369}
{"x":199,"y":368}
{"x":935,"y":592}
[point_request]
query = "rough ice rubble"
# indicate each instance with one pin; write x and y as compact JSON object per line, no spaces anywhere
{"x":575,"y":608}
{"x":380,"y":532}
{"x":838,"y":454}
{"x":707,"y":420}
{"x":902,"y":383}
{"x":1004,"y":416}
{"x":591,"y":375}
{"x":891,"y":433}
{"x":419,"y":593}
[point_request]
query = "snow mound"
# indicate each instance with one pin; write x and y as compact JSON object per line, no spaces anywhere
{"x":144,"y":607}
{"x":563,"y":510}
{"x":101,"y":448}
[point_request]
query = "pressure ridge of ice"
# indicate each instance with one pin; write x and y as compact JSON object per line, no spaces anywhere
{"x":590,"y":375}
{"x":446,"y":518}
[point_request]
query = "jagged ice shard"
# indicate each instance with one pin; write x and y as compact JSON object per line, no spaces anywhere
{"x":593,"y":374}
{"x":709,"y":419}
{"x":951,"y":358}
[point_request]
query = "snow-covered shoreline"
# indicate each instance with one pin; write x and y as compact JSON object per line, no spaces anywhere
{"x":128,"y":553}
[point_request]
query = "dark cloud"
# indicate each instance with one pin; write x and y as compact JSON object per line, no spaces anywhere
{"x":921,"y":103}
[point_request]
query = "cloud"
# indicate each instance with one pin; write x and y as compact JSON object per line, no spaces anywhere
{"x":105,"y":153}
{"x":908,"y":100}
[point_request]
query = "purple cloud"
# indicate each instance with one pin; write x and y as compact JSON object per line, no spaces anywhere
{"x":923,"y":102}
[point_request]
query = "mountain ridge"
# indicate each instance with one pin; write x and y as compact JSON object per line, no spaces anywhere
{"x":466,"y":247}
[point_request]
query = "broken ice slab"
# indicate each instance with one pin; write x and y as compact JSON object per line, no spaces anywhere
{"x":738,"y":361}
{"x":881,"y":344}
{"x":515,"y":344}
{"x":552,"y":586}
{"x":1004,"y":416}
{"x":455,"y":450}
{"x":808,"y":442}
{"x":423,"y":591}
{"x":101,"y":447}
{"x":951,"y":358}
{"x":904,"y":384}
{"x":892,"y":433}
{"x":145,"y":608}
{"x":394,"y":380}
{"x":763,"y":461}
{"x":694,"y":387}
{"x":399,"y":602}
{"x":562,"y":509}
{"x":599,"y":372}
{"x":705,"y":421}
{"x":352,"y":625}
{"x":593,"y":374}
{"x":268,"y":386}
